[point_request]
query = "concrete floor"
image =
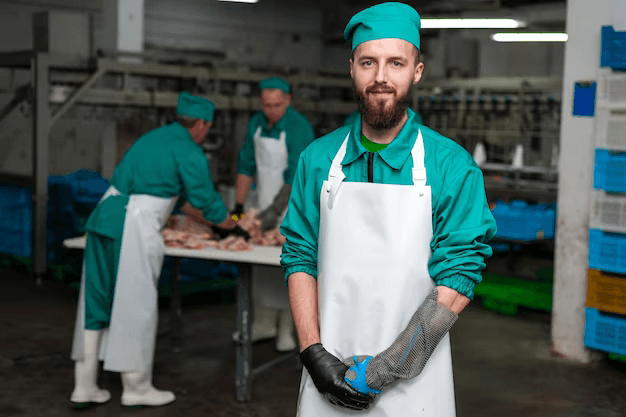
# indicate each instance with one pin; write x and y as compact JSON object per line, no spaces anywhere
{"x":502,"y":364}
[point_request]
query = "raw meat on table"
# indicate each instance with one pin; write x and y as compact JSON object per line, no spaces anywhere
{"x":185,"y":232}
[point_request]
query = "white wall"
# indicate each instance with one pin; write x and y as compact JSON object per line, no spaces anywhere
{"x":16,"y":23}
{"x":582,"y":61}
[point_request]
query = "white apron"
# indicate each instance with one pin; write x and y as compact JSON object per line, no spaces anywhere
{"x":128,"y":344}
{"x":374,"y":247}
{"x":268,"y":285}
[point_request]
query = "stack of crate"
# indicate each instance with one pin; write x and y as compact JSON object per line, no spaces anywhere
{"x":606,"y":290}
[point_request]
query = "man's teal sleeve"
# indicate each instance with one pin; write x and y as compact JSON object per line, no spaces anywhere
{"x":304,"y":135}
{"x":462,"y":227}
{"x":301,"y":225}
{"x":247,"y":162}
{"x":198,"y":187}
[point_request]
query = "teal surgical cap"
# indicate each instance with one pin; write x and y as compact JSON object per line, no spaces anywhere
{"x":385,"y":20}
{"x":195,"y":107}
{"x":275,"y":82}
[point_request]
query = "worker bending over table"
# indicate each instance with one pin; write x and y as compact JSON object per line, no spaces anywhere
{"x":274,"y":140}
{"x":117,"y":312}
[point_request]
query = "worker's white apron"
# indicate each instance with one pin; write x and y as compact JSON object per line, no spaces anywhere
{"x":374,"y":247}
{"x":128,"y":344}
{"x":268,"y":285}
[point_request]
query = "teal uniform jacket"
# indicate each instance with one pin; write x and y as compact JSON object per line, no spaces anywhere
{"x":461,"y":219}
{"x":299,"y":134}
{"x":164,"y":162}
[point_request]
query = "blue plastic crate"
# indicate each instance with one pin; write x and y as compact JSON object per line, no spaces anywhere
{"x":523,"y":221}
{"x":605,"y":331}
{"x":609,"y":171}
{"x":607,"y":251}
{"x":16,"y":218}
{"x":87,"y":187}
{"x":613,"y":48}
{"x":18,"y":243}
{"x":15,"y":207}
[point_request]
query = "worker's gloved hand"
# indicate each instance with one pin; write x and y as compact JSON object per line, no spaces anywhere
{"x":223,"y":233}
{"x":356,"y":375}
{"x":237,"y":213}
{"x":270,"y":216}
{"x":406,"y":357}
{"x":327,"y":373}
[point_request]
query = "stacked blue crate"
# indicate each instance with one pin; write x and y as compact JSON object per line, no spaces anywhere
{"x":613,"y":48}
{"x":15,"y":220}
{"x":16,"y":226}
{"x":607,"y":241}
{"x":520,"y":220}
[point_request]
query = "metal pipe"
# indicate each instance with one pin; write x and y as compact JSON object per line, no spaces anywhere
{"x":77,"y":94}
{"x":41,"y":120}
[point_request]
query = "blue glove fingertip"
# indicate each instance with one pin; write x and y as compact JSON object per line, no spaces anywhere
{"x":359,"y":383}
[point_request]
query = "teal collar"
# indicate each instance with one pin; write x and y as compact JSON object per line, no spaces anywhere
{"x":183,"y":131}
{"x":395,"y":154}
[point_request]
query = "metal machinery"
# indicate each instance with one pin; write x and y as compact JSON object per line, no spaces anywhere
{"x":504,"y":115}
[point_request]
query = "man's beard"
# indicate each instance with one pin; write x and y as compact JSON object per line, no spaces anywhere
{"x":376,"y":114}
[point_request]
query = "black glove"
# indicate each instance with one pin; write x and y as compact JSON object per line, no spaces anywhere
{"x":235,"y":231}
{"x":327,"y":373}
{"x":237,"y":213}
{"x":269,"y":218}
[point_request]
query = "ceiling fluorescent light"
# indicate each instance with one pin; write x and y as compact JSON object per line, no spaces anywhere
{"x":529,"y":37}
{"x":241,"y":1}
{"x":472,"y":24}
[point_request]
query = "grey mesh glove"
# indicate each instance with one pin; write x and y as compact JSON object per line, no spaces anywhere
{"x":327,"y":373}
{"x":269,"y":217}
{"x":408,"y":354}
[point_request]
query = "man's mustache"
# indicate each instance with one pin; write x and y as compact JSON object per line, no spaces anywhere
{"x":379,"y":88}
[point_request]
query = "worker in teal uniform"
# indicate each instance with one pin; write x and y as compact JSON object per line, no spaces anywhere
{"x":274,"y":140}
{"x":117,"y":312}
{"x":387,"y":234}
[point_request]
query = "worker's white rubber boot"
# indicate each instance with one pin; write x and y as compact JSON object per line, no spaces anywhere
{"x":264,"y":324}
{"x":139,"y":391}
{"x":286,"y":341}
{"x":86,"y":391}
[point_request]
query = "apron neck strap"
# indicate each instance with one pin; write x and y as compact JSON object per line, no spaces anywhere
{"x":419,"y":171}
{"x":282,"y":137}
{"x":336,"y":175}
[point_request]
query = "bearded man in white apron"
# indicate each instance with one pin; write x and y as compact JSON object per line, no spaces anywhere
{"x":274,"y":140}
{"x":387,"y":232}
{"x":117,"y":312}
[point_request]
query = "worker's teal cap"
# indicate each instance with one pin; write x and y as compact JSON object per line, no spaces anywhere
{"x":382,"y":21}
{"x":195,"y":107}
{"x":275,"y":82}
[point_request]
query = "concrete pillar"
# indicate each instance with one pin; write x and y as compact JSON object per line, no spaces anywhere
{"x":582,"y":61}
{"x":123,"y":26}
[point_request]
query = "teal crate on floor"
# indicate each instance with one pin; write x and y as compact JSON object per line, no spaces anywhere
{"x":523,"y":221}
{"x":609,"y":171}
{"x":605,"y":331}
{"x":607,"y":251}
